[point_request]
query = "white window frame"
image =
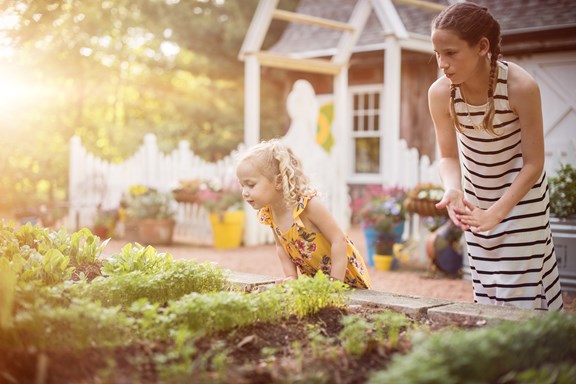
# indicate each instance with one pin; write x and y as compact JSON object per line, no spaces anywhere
{"x":356,"y":177}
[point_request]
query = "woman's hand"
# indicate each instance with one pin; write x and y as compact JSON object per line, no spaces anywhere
{"x":478,"y":219}
{"x":453,"y":201}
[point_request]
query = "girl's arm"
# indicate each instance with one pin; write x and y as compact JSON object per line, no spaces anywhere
{"x":321,"y":219}
{"x":449,"y":163}
{"x":289,"y":268}
{"x":524,"y":99}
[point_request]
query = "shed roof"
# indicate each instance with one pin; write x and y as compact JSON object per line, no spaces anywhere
{"x":527,"y":25}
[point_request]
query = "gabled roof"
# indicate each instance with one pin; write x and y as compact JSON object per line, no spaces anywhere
{"x":527,"y":26}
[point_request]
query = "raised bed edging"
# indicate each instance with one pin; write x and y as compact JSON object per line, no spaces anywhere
{"x":435,"y":309}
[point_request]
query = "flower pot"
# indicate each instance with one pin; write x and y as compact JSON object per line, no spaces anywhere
{"x":227,"y":229}
{"x":383,"y":262}
{"x":371,"y":236}
{"x":102,"y":231}
{"x":155,"y":231}
{"x":183,"y":196}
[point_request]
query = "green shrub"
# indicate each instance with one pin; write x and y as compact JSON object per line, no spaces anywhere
{"x":487,"y":354}
{"x":563,"y":191}
{"x":172,"y":281}
{"x":81,"y":324}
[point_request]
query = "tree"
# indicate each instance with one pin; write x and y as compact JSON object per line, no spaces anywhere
{"x":114,"y":70}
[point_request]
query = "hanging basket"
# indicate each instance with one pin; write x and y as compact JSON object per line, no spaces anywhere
{"x":424,"y":207}
{"x":183,"y":196}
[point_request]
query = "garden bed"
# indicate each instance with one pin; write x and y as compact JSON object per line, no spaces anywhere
{"x":274,"y":352}
{"x":67,"y":316}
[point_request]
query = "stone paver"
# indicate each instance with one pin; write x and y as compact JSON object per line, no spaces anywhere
{"x":435,"y":309}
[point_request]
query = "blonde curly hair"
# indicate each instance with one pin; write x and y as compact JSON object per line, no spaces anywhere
{"x":273,"y":158}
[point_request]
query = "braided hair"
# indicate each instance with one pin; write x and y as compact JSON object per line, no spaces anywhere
{"x":471,"y":22}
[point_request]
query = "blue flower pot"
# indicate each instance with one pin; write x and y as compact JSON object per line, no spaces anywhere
{"x":371,"y":236}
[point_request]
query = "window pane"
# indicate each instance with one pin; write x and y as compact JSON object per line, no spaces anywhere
{"x":366,"y":123}
{"x":367,"y":151}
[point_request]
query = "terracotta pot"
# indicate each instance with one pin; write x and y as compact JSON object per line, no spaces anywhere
{"x":155,"y":232}
{"x":102,"y":231}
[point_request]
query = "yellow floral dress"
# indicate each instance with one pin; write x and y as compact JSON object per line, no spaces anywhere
{"x":310,"y":251}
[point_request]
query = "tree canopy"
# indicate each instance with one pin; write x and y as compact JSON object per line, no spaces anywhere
{"x":111,"y":71}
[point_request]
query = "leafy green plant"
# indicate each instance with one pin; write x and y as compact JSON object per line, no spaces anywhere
{"x":319,"y":343}
{"x":485,"y":355}
{"x":45,"y":326}
{"x":309,"y":295}
{"x":355,"y":334}
{"x":171,"y":282}
{"x":136,"y":258}
{"x":49,"y":257}
{"x":7,"y":288}
{"x":550,"y":373}
{"x":563,"y":191}
{"x":388,"y":325}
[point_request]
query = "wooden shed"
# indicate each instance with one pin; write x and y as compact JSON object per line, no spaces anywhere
{"x":375,"y":58}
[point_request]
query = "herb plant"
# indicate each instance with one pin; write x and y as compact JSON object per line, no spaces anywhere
{"x":563,"y":192}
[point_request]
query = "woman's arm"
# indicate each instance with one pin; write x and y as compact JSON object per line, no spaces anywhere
{"x":321,"y":219}
{"x":449,"y":163}
{"x":524,"y":98}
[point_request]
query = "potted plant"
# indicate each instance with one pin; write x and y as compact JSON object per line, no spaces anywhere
{"x":563,"y":192}
{"x":149,"y":215}
{"x":187,"y":191}
{"x":563,"y":223}
{"x":223,"y":200}
{"x":105,"y":223}
{"x":384,"y":251}
{"x":381,"y":213}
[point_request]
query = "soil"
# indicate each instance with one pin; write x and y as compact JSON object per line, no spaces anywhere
{"x":248,"y":361}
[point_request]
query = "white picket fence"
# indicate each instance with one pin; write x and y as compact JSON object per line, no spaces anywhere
{"x":98,"y":183}
{"x":95,"y":182}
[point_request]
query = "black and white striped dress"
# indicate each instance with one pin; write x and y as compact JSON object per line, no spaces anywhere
{"x":514,"y":263}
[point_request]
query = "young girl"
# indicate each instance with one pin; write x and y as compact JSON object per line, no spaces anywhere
{"x":487,"y":114}
{"x":307,"y":236}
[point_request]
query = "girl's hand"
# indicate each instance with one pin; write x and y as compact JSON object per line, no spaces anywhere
{"x":453,"y":201}
{"x":478,"y":219}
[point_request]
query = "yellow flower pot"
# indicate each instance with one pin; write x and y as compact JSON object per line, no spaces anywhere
{"x":227,"y":228}
{"x":383,"y":262}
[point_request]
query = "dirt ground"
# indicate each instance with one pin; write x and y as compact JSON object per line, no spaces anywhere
{"x":407,"y":280}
